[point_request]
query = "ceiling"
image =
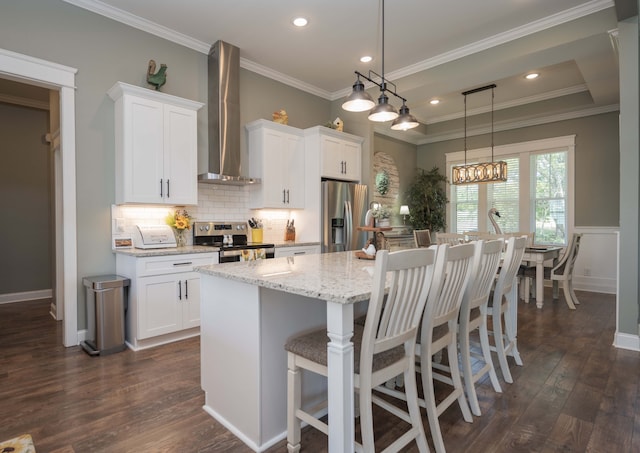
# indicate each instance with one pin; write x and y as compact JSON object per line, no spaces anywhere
{"x":432,"y":49}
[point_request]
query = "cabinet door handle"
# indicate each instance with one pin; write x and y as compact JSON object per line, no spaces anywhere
{"x":299,"y":253}
{"x":161,"y":193}
{"x":168,"y":189}
{"x":284,"y":199}
{"x":345,"y":167}
{"x":180,"y":289}
{"x":287,"y":196}
{"x":183,"y":264}
{"x":186,"y":289}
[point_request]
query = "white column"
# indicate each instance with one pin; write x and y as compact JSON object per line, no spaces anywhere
{"x":340,"y":378}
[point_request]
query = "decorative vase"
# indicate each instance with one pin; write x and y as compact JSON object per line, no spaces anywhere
{"x":181,"y":237}
{"x":383,"y":223}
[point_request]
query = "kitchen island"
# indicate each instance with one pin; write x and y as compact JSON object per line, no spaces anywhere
{"x":249,"y":310}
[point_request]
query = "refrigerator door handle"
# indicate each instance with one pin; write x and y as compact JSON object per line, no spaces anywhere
{"x":348,"y":225}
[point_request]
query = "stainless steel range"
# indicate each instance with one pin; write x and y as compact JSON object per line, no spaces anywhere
{"x":231,"y":237}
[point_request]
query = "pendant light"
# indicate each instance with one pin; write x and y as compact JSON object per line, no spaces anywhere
{"x":359,"y":100}
{"x":405,"y":121}
{"x":484,"y":172}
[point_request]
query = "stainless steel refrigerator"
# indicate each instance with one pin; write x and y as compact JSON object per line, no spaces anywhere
{"x":344,"y":206}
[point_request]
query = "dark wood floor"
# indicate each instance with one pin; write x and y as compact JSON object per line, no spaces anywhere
{"x":575,"y":393}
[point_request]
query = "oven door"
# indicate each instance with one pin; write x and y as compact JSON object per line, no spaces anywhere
{"x":248,"y":254}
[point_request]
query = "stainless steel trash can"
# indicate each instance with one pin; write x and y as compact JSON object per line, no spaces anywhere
{"x":106,"y":305}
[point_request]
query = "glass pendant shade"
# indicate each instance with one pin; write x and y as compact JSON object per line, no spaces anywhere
{"x":405,"y":121}
{"x":383,"y":111}
{"x":359,"y":100}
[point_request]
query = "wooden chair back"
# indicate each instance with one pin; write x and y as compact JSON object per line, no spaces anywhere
{"x":422,"y":238}
{"x":450,"y":238}
{"x":568,"y":260}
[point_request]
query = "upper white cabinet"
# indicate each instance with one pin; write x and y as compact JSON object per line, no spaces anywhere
{"x":340,"y":153}
{"x":276,"y":155}
{"x":156,"y":146}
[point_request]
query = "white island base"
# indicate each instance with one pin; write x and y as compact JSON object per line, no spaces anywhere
{"x":244,"y":365}
{"x":248,"y":312}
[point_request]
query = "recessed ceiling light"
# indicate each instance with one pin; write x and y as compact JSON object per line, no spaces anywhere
{"x":532,"y":76}
{"x":434,"y":101}
{"x":300,"y":21}
{"x":366,"y":59}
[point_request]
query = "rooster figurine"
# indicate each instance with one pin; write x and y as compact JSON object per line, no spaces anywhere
{"x":157,"y":79}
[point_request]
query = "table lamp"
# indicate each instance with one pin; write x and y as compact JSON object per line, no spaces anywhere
{"x":404,"y":212}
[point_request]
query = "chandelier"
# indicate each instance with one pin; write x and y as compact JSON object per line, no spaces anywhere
{"x":484,"y":172}
{"x":359,"y":100}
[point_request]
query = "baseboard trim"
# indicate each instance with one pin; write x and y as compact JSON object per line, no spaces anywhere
{"x":627,"y":341}
{"x":594,"y":284}
{"x":26,"y":295}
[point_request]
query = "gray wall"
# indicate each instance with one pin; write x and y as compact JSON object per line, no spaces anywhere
{"x":25,"y":191}
{"x":104,"y":52}
{"x":597,"y":161}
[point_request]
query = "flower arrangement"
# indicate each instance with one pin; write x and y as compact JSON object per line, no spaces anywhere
{"x":180,"y":221}
{"x":381,"y":212}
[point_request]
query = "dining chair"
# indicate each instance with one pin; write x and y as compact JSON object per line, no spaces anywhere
{"x":384,"y":347}
{"x":450,"y":238}
{"x":422,"y":238}
{"x":561,"y":272}
{"x":473,"y":316}
{"x":438,"y":333}
{"x":502,"y":320}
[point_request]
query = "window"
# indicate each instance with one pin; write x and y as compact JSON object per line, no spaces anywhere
{"x":537,"y":196}
{"x":548,"y":200}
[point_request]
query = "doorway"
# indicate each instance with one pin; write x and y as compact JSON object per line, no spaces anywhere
{"x":33,"y":71}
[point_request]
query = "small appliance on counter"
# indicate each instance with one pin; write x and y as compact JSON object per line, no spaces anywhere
{"x":153,"y":237}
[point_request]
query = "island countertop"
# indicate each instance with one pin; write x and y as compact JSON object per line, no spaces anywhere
{"x":334,"y":277}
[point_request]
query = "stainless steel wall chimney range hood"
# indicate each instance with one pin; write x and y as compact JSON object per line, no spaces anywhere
{"x":223,"y":165}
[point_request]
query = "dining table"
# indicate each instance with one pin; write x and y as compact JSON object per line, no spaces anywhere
{"x":538,"y":255}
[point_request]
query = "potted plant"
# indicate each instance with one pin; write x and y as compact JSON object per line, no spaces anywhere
{"x":381,"y":213}
{"x":427,"y":199}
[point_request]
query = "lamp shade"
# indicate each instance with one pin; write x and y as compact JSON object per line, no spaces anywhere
{"x":404,"y":210}
{"x":405,"y":121}
{"x":359,"y":100}
{"x":383,"y":111}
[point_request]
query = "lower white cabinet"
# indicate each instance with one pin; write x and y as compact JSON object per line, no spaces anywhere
{"x":296,"y":250}
{"x":164,"y":297}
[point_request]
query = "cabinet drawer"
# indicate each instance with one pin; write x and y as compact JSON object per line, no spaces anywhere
{"x":173,"y":264}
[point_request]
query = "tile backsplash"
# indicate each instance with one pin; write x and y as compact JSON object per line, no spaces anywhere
{"x":215,"y":203}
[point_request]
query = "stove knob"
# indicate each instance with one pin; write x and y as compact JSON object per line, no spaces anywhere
{"x":206,"y":228}
{"x":240,"y":227}
{"x":201,"y":228}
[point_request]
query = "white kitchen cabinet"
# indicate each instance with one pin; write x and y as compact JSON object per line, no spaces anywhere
{"x":276,"y":155}
{"x":296,"y":250}
{"x":156,"y":146}
{"x":340,"y":153}
{"x":164,"y":297}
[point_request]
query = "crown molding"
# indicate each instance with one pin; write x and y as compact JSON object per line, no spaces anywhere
{"x":514,"y":103}
{"x":140,"y":23}
{"x":554,"y":20}
{"x":507,"y":126}
{"x":283,"y":78}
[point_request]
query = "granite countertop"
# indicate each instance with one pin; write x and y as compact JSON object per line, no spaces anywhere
{"x":141,"y":253}
{"x":337,"y":277}
{"x":296,"y":244}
